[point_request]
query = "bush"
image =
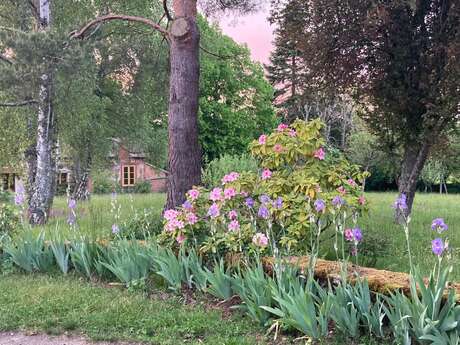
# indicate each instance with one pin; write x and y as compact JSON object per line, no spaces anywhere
{"x":143,"y":187}
{"x":103,"y":183}
{"x":299,"y":186}
{"x":216,"y":169}
{"x":9,"y":219}
{"x":5,"y":196}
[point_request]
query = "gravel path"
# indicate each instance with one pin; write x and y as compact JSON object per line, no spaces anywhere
{"x":10,"y":338}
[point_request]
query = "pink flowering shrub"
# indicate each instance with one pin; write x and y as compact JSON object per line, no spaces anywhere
{"x":297,"y":182}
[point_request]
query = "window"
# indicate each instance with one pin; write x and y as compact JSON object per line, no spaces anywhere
{"x":63,"y":178}
{"x":128,"y":178}
{"x":8,"y":182}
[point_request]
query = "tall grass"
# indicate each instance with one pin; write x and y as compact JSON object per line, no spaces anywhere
{"x":94,"y":217}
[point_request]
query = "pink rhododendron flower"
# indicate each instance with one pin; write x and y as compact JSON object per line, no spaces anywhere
{"x":192,"y":218}
{"x":278,"y":148}
{"x":260,"y":240}
{"x":244,"y":193}
{"x":193,"y":194}
{"x":361,"y":200}
{"x":174,"y":224}
{"x":282,"y":127}
{"x":216,"y":194}
{"x":262,"y":139}
{"x":180,"y":238}
{"x":292,"y":133}
{"x":341,"y":190}
{"x":352,"y":182}
{"x":234,"y":226}
{"x":171,"y":215}
{"x":229,"y":193}
{"x":320,"y":154}
{"x":266,"y":174}
{"x":233,"y":176}
{"x":232,"y":214}
{"x":349,"y":235}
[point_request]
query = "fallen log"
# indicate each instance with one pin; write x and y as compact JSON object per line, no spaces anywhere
{"x":381,"y":281}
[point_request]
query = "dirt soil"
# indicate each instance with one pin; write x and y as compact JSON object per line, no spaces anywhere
{"x":12,"y":338}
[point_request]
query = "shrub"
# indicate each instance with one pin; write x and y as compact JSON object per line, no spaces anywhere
{"x":298,"y":186}
{"x":9,"y":219}
{"x":5,"y":196}
{"x":103,"y":182}
{"x":219,"y":167}
{"x":143,"y":187}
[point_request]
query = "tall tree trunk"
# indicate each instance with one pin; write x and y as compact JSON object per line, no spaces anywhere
{"x":184,"y":150}
{"x":415,"y":156}
{"x":45,"y":175}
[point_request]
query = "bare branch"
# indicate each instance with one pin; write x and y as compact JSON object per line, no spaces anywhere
{"x":19,"y":104}
{"x":81,"y":33}
{"x":223,"y":57}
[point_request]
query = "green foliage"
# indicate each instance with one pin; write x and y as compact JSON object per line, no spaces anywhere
{"x":61,"y":252}
{"x":294,"y":175}
{"x":253,"y":287}
{"x":195,"y":275}
{"x":103,"y":182}
{"x":219,"y":167}
{"x":170,"y":268}
{"x":142,"y":225}
{"x":220,"y":281}
{"x":235,"y":98}
{"x":142,"y":187}
{"x":84,"y":255}
{"x":430,"y":316}
{"x":301,"y":308}
{"x":9,"y":219}
{"x":5,"y":196}
{"x":29,"y":252}
{"x":128,"y":261}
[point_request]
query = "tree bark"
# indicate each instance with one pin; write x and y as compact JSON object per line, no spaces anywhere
{"x":184,"y":158}
{"x":45,"y":173}
{"x":415,"y":156}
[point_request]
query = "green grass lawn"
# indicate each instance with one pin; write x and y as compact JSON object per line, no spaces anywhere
{"x":95,"y":218}
{"x":58,"y":304}
{"x":380,"y":222}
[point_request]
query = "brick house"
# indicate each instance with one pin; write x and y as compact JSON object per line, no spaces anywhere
{"x":128,"y":166}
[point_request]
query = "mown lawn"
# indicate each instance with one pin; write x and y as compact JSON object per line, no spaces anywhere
{"x":57,"y":304}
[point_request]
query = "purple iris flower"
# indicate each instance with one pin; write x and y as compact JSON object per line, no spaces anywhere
{"x":439,"y":225}
{"x":115,"y":229}
{"x":357,"y":234}
{"x":214,"y":211}
{"x":264,"y":199}
{"x":320,"y":205}
{"x":278,"y":203}
{"x":19,"y":196}
{"x":249,"y":202}
{"x":187,"y":205}
{"x":263,"y":212}
{"x":437,"y":245}
{"x":338,"y":201}
{"x":72,"y":204}
{"x":400,"y":203}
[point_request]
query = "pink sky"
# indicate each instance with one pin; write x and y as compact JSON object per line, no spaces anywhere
{"x":253,"y":30}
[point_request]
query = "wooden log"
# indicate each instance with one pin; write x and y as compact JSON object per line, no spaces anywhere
{"x":381,"y":281}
